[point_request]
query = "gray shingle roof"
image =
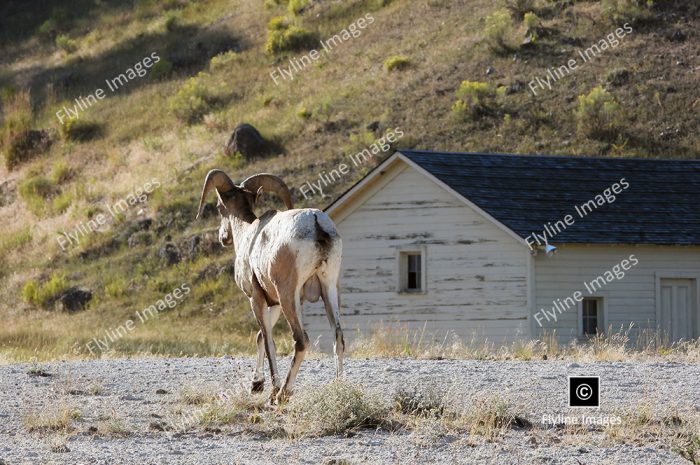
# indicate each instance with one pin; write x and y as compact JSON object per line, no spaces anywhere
{"x":524,"y":192}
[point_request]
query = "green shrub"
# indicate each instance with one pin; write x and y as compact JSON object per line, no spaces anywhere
{"x":161,"y":69}
{"x":296,"y":6}
{"x":43,"y":295}
{"x":66,"y":44}
{"x":48,"y":28}
{"x":627,"y":11}
{"x":79,"y":130}
{"x":598,"y":114}
{"x":475,"y":99}
{"x":14,"y":240}
{"x":618,"y":77}
{"x":61,"y":202}
{"x":36,"y":191}
{"x":192,"y":101}
{"x":304,"y":113}
{"x":18,"y":141}
{"x":117,"y":288}
{"x":54,"y":23}
{"x":61,"y":172}
{"x":518,"y":8}
{"x":533,"y":23}
{"x":498,"y":30}
{"x":286,"y":38}
{"x":171,"y":21}
{"x":278,"y":23}
{"x":397,"y":62}
{"x":222,"y":59}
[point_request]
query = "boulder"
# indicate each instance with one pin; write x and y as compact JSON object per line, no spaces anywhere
{"x":73,"y":299}
{"x":248,"y":141}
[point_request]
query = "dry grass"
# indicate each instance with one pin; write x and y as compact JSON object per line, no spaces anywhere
{"x":339,"y":407}
{"x":388,"y":341}
{"x":52,"y":419}
{"x":647,"y":424}
{"x":113,"y":425}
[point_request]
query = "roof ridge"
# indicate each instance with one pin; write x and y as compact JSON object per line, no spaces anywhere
{"x":567,"y":157}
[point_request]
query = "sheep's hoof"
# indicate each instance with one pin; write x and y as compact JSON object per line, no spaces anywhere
{"x":273,"y":396}
{"x":283,"y":396}
{"x":257,"y":386}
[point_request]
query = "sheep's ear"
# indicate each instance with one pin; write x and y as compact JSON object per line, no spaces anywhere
{"x":258,"y":195}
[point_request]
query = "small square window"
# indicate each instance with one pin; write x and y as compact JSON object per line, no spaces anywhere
{"x":411,"y":271}
{"x":592,"y":316}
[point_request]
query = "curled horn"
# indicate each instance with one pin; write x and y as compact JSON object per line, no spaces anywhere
{"x":215,"y":179}
{"x":270,"y":183}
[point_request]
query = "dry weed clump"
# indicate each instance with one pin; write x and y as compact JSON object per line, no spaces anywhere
{"x":489,"y":417}
{"x":54,"y":418}
{"x":645,"y":424}
{"x":242,"y":408}
{"x":339,"y":407}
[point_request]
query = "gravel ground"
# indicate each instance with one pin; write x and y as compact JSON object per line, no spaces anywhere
{"x":142,"y":390}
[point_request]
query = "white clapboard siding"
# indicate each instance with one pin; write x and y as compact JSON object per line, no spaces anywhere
{"x":630,"y":299}
{"x":476,"y":273}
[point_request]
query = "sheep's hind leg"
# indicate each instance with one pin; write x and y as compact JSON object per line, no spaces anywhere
{"x":292,"y":311}
{"x":258,"y":384}
{"x":331,"y":301}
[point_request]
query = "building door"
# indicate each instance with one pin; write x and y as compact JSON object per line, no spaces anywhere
{"x":678,"y":313}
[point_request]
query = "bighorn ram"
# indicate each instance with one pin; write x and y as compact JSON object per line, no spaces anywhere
{"x":282,"y":258}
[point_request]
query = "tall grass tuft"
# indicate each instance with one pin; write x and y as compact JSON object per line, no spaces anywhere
{"x":339,"y":407}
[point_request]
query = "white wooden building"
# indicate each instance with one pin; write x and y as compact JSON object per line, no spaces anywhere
{"x":444,"y":241}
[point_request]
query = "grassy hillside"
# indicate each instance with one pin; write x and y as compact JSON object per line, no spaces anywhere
{"x":450,"y":74}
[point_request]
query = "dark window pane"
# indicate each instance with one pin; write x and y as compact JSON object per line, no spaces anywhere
{"x":414,"y":272}
{"x":590,"y":316}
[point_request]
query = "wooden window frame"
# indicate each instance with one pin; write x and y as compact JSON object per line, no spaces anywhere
{"x":402,"y":254}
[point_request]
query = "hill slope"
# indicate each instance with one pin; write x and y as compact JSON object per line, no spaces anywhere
{"x":176,"y":77}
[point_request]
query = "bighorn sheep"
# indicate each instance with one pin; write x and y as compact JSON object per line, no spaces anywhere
{"x":282,"y":258}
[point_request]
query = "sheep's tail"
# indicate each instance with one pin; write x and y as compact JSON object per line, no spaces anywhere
{"x":324,"y":240}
